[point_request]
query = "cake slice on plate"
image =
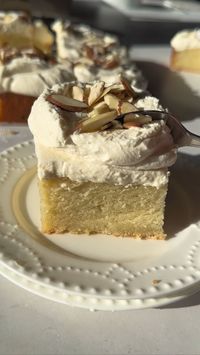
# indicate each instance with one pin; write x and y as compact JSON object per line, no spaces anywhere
{"x":98,"y":173}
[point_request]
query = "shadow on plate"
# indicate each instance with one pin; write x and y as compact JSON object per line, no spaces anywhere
{"x":189,"y":301}
{"x":179,"y":92}
{"x":183,"y":199}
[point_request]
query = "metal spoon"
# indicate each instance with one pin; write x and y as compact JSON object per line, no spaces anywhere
{"x":182,"y":137}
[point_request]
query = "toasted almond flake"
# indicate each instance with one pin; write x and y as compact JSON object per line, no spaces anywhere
{"x":67,"y":103}
{"x":95,"y":92}
{"x":141,"y":119}
{"x":95,"y":123}
{"x":127,"y":86}
{"x":127,"y":107}
{"x":86,"y":93}
{"x":112,"y":101}
{"x":67,"y":91}
{"x":110,"y":62}
{"x":77,"y":93}
{"x":114,"y":88}
{"x":155,"y":282}
{"x":131,"y":124}
{"x":101,"y":107}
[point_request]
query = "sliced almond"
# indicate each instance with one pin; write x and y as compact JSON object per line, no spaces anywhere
{"x":95,"y":92}
{"x":67,"y":91}
{"x":67,"y":103}
{"x":127,"y":107}
{"x":77,"y":93}
{"x":95,"y":123}
{"x":86,"y":93}
{"x":112,"y":101}
{"x":114,"y":88}
{"x":101,"y":107}
{"x":131,"y":124}
{"x":111,"y":62}
{"x":141,"y":119}
{"x":128,"y":87}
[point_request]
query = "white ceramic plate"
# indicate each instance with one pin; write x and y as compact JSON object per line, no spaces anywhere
{"x":101,"y":272}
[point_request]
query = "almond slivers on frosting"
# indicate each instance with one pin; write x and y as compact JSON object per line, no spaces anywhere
{"x":102,"y":105}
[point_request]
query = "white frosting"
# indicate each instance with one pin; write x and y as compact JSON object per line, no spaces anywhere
{"x":187,"y":39}
{"x":138,"y":155}
{"x":87,"y":73}
{"x":30,"y":76}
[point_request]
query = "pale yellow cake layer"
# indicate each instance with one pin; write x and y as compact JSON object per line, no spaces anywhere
{"x":187,"y":60}
{"x":88,"y":207}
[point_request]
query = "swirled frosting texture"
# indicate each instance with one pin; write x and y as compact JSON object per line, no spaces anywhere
{"x":30,"y":76}
{"x":139,"y":155}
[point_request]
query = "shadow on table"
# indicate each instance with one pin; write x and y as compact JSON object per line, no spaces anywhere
{"x":183,"y":199}
{"x":179,"y":92}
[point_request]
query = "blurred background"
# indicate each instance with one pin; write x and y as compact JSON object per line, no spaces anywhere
{"x":134,"y":21}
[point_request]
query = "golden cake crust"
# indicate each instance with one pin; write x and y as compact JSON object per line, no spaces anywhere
{"x":15,"y":107}
{"x":186,"y":60}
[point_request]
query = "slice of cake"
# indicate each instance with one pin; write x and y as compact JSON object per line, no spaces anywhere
{"x":99,"y":173}
{"x":186,"y":51}
{"x":95,"y":55}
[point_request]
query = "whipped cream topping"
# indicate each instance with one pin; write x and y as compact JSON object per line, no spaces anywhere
{"x":139,"y":155}
{"x":86,"y":73}
{"x":187,"y":39}
{"x":30,"y":76}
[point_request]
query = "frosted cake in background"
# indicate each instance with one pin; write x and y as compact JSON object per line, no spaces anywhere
{"x":18,"y":30}
{"x":97,"y":173}
{"x":26,"y":66}
{"x":95,"y":55}
{"x":185,"y":54}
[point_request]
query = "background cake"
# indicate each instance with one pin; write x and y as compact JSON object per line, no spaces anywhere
{"x":18,"y":30}
{"x":186,"y":51}
{"x":26,"y":65}
{"x":99,"y":174}
{"x":95,"y":55}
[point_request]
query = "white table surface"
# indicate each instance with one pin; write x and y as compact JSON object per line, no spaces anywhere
{"x":30,"y":324}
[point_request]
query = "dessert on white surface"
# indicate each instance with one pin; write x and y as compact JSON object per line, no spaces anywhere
{"x":98,"y":173}
{"x":186,"y":51}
